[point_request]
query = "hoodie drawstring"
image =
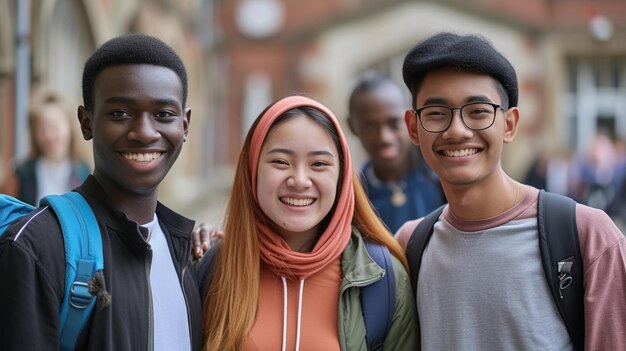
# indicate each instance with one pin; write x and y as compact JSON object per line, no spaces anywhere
{"x":299,"y":314}
{"x":284,"y":343}
{"x":284,"y":314}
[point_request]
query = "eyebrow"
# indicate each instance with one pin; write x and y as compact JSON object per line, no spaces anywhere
{"x":132,"y":101}
{"x":469,"y":99}
{"x":282,"y":150}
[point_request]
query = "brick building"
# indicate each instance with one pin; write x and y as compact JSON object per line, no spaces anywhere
{"x":570,"y":56}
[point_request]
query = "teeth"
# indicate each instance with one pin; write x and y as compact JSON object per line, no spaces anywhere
{"x":460,"y":153}
{"x":297,"y":202}
{"x":145,"y":157}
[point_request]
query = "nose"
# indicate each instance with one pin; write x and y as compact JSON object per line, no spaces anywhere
{"x":299,"y":179}
{"x":386,"y":134}
{"x":143,"y":129}
{"x":457,"y":128}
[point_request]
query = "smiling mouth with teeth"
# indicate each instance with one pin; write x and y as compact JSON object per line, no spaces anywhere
{"x":297,"y":202}
{"x":142,"y":157}
{"x":459,"y":153}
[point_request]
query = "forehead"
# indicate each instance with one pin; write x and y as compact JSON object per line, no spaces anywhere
{"x":382,"y":97}
{"x":456,"y":86}
{"x":138,"y":81}
{"x":51,"y":111}
{"x":299,"y":132}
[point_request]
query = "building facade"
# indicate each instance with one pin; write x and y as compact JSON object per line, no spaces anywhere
{"x":570,"y":56}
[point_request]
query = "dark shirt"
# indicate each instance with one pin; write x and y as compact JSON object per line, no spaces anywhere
{"x":420,"y":189}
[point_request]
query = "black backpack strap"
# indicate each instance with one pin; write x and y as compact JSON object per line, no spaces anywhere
{"x":562,"y":262}
{"x":417,"y":243}
{"x":205,"y":269}
{"x":378,"y":300}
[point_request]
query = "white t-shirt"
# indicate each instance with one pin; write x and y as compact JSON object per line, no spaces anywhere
{"x":169,"y":309}
{"x":52,"y":178}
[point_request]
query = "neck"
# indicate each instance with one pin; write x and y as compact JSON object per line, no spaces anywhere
{"x":54,"y":160}
{"x":138,"y":207}
{"x":392,"y":173}
{"x":485,"y":200}
{"x":300,"y":242}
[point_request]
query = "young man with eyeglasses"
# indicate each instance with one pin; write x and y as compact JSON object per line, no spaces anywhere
{"x":481,"y":283}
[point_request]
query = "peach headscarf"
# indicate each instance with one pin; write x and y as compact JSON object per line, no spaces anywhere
{"x":274,"y":250}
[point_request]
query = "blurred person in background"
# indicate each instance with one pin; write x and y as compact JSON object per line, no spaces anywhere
{"x":558,"y":172}
{"x":398,"y":182}
{"x":53,"y":166}
{"x":602,"y":172}
{"x":617,"y":207}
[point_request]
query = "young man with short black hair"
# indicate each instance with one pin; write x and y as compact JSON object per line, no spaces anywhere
{"x":134,"y":91}
{"x":481,"y":283}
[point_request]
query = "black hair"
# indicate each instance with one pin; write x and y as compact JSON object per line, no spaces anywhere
{"x":370,"y":81}
{"x":130,"y":49}
{"x":471,"y":53}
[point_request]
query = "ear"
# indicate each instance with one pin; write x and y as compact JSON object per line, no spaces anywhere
{"x":410,"y":119}
{"x":511,"y":121}
{"x":85,"y":118}
{"x":186,"y":122}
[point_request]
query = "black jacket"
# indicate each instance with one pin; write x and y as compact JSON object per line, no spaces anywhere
{"x":32,"y":273}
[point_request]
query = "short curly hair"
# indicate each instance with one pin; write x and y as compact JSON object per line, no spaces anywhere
{"x":130,"y":49}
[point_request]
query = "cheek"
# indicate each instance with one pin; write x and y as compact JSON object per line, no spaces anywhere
{"x":266,"y":184}
{"x":329,"y":186}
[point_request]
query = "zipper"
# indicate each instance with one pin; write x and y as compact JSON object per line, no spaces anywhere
{"x":182,"y":286}
{"x":148,"y":262}
{"x":345,"y":285}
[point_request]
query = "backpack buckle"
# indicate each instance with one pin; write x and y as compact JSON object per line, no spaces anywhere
{"x":79,"y":295}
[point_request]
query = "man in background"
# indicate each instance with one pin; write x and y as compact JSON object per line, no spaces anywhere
{"x":399,"y":183}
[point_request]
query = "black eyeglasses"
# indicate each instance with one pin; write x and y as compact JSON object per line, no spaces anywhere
{"x":475,"y":116}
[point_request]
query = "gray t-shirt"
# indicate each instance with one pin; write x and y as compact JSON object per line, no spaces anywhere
{"x":486,"y":290}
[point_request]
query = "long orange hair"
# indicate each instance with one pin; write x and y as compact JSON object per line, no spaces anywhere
{"x":230,"y":305}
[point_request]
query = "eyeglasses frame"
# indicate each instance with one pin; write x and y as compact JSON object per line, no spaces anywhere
{"x":417,"y":113}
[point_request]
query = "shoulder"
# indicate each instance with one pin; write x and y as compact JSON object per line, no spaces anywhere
{"x":35,"y":229}
{"x":37,"y":238}
{"x":405,"y":231}
{"x":26,"y":167}
{"x":175,"y":222}
{"x":205,"y":267}
{"x":597,"y":233}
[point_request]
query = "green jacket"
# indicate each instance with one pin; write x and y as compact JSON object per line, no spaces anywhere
{"x":359,"y":269}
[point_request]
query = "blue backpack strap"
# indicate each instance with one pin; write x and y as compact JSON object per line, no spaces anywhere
{"x":562,"y":262}
{"x":378,"y":300}
{"x":12,"y":209}
{"x":83,"y":257}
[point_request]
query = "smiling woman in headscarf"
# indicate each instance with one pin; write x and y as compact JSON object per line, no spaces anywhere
{"x":293,"y":260}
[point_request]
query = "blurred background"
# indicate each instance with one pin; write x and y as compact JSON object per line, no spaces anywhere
{"x":570,"y":56}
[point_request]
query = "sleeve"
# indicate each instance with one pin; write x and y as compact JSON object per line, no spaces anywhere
{"x":603,"y":249}
{"x":29,"y":305}
{"x":403,"y":332}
